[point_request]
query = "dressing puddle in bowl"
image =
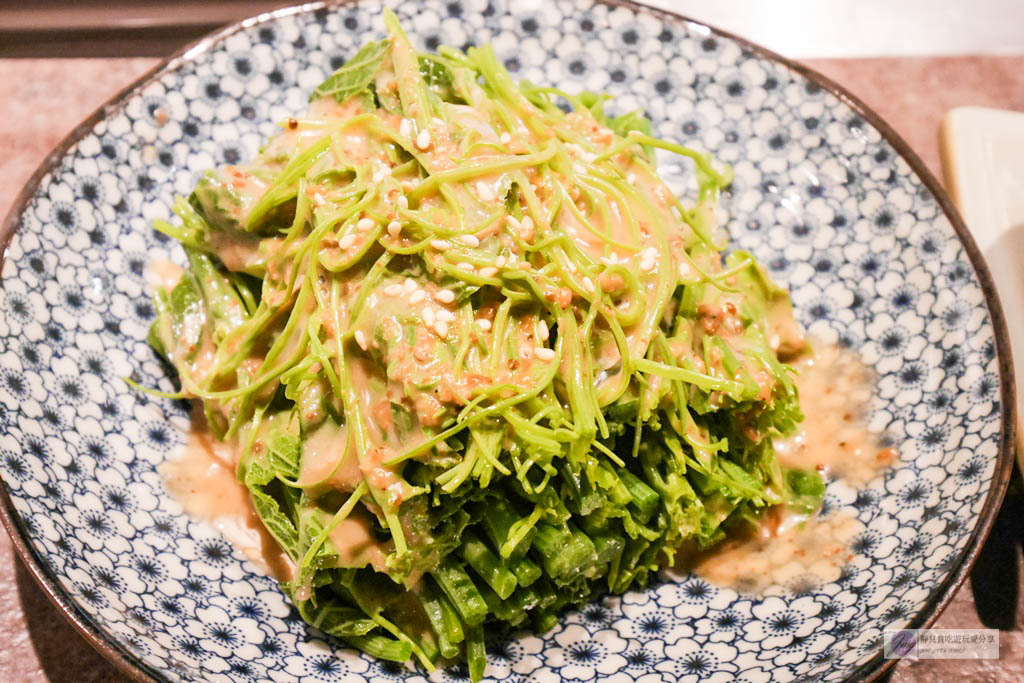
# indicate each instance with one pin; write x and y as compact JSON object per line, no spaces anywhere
{"x":793,"y":550}
{"x":203,"y":480}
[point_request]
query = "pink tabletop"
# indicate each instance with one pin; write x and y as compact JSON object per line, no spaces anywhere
{"x":41,"y":100}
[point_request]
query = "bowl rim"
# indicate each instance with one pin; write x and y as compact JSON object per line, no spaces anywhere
{"x":871,"y":670}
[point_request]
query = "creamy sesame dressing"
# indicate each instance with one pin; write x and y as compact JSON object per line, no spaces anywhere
{"x":202,"y":479}
{"x":790,"y":550}
{"x":835,"y":391}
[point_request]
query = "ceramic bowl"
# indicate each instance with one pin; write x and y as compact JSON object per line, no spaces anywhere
{"x":826,"y":195}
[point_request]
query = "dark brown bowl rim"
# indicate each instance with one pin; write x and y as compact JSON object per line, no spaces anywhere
{"x":871,"y":670}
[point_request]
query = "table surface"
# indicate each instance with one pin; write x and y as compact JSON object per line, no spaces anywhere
{"x":41,"y":100}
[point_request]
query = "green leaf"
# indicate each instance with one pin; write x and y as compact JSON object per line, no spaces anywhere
{"x":181,"y":319}
{"x":634,"y":120}
{"x":331,"y":616}
{"x":269,"y":510}
{"x":357,"y":73}
{"x":807,"y":489}
{"x":223,"y":303}
{"x":223,"y":205}
{"x":438,"y":78}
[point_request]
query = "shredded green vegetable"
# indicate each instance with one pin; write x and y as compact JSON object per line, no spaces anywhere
{"x":478,"y":361}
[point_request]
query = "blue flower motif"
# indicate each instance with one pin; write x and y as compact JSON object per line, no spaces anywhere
{"x":191,"y":648}
{"x":690,"y":662}
{"x":91,"y":595}
{"x":249,"y":608}
{"x":597,"y":615}
{"x":171,"y":608}
{"x":972,"y":470}
{"x":579,"y":655}
{"x":245,"y":670}
{"x":697,"y":591}
{"x":639,"y":659}
{"x":217,"y":553}
{"x":14,"y":466}
{"x":392,"y":671}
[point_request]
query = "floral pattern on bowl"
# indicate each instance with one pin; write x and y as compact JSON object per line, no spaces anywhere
{"x":823,"y":196}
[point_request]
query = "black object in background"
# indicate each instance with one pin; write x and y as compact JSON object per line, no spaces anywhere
{"x":115,"y":28}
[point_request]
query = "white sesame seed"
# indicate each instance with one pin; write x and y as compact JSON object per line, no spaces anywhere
{"x":410,"y":285}
{"x":445,"y":315}
{"x":649,"y":253}
{"x":445,"y":296}
{"x":380,"y":174}
{"x":544,"y":333}
{"x":500,"y":261}
{"x":410,"y":185}
{"x":440,"y":245}
{"x":403,"y":202}
{"x":436,"y":121}
{"x":544,"y":353}
{"x":347,"y":241}
{"x":319,"y":199}
{"x":361,"y":339}
{"x":527,"y":223}
{"x":428,"y":315}
{"x":417,"y":296}
{"x":488,"y":271}
{"x":394,"y":227}
{"x":441,"y":327}
{"x":514,"y":222}
{"x":405,"y":128}
{"x":423,"y":140}
{"x":631,"y":178}
{"x":647,"y":265}
{"x":462,"y":265}
{"x":365,"y":224}
{"x":684,"y":269}
{"x":505,"y":138}
{"x":588,"y":284}
{"x":484,"y":324}
{"x":485,"y":190}
{"x":393,"y":289}
{"x":470,"y":240}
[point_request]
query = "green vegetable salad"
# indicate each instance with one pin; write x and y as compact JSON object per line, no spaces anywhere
{"x":478,"y":362}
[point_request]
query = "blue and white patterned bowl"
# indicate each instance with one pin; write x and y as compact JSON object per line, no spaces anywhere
{"x":825,"y":194}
